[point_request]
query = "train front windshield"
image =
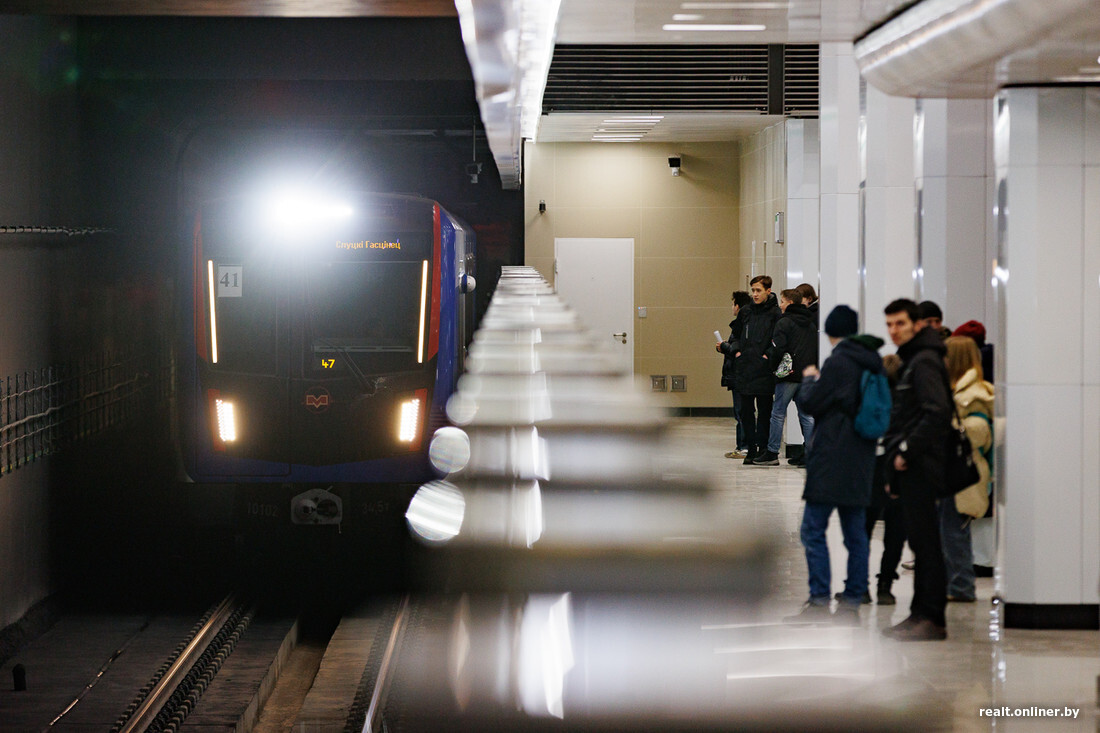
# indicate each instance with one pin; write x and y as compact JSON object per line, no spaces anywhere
{"x":364,"y":315}
{"x":352,"y":298}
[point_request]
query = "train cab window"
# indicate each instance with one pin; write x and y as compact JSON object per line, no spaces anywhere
{"x":367,"y":313}
{"x":244,"y":322}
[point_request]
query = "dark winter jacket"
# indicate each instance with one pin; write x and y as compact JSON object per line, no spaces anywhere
{"x":921,"y":414}
{"x":753,"y":373}
{"x":815,"y":311}
{"x":841,"y":464}
{"x":795,"y":334}
{"x":727,"y":347}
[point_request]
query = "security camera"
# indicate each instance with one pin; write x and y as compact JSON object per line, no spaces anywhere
{"x":674,"y":164}
{"x":472,"y":170}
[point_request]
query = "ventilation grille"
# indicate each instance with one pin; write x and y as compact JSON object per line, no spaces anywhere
{"x":587,"y":78}
{"x":605,"y":77}
{"x":800,"y":80}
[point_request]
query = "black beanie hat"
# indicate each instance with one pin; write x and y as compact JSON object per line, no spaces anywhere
{"x":842,"y":321}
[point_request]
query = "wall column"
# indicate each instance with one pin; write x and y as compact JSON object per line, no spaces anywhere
{"x":1047,"y":143}
{"x":840,"y":179}
{"x":954,"y":162}
{"x":888,"y":235}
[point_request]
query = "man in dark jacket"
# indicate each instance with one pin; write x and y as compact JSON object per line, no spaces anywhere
{"x":840,"y":467}
{"x":915,"y":460}
{"x":794,"y":334}
{"x":741,"y":299}
{"x":754,"y":374}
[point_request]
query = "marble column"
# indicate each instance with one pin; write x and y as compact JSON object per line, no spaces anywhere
{"x":840,"y":178}
{"x":954,"y":185}
{"x":888,"y":253}
{"x":1047,"y":155}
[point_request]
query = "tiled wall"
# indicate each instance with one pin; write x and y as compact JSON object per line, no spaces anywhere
{"x":685,"y":231}
{"x":763,"y":193}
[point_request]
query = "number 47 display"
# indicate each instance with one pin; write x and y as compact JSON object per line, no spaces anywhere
{"x":230,"y":281}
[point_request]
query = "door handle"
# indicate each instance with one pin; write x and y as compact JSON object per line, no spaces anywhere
{"x":620,"y":336}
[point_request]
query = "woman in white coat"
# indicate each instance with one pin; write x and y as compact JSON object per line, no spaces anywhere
{"x":974,"y":405}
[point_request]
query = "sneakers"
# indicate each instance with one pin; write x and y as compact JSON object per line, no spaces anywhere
{"x":737,"y":453}
{"x":866,"y":596}
{"x":800,"y":462}
{"x":846,"y":614}
{"x":813,"y":611}
{"x":767,"y":458}
{"x":885,"y":597}
{"x":916,"y":629}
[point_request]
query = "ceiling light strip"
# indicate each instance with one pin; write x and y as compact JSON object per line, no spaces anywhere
{"x":712,"y":27}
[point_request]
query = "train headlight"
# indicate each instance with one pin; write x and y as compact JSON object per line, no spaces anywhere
{"x":227,"y":420}
{"x":410,"y":418}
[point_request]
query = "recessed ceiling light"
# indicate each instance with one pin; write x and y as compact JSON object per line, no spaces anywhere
{"x":743,"y":5}
{"x":710,"y":27}
{"x":686,"y":17}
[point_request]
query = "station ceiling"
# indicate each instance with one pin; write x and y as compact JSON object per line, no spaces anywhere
{"x":929,"y":48}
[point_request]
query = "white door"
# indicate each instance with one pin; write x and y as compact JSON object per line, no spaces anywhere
{"x":596,"y":278}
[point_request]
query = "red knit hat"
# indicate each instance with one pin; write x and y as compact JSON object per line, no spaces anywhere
{"x":973,"y":329}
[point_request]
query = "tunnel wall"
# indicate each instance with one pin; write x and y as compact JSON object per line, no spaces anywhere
{"x":37,"y":190}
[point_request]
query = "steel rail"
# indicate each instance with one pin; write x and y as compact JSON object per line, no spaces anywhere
{"x":373,"y":722}
{"x":159,"y":695}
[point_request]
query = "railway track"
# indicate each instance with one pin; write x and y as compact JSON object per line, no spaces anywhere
{"x":164,"y":704}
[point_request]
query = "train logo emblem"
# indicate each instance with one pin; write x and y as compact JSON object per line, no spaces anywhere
{"x":317,"y":399}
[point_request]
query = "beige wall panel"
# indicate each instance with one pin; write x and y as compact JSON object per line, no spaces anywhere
{"x":598,"y":222}
{"x":538,"y":177}
{"x":539,"y":238}
{"x":698,"y":282}
{"x":686,"y":232}
{"x":603,"y":176}
{"x":678,"y":332}
{"x":647,"y":282}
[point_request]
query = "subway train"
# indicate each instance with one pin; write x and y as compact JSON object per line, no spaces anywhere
{"x":320,"y":338}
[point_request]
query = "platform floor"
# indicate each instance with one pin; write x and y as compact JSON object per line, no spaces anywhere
{"x":1024,"y":668}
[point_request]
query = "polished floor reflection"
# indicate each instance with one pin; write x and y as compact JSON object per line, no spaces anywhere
{"x":1025,"y":671}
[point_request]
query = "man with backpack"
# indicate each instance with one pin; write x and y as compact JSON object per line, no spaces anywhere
{"x":849,"y":390}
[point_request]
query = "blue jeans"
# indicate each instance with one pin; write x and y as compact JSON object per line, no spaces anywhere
{"x":784,"y":393}
{"x":741,"y":444}
{"x":958,"y":555}
{"x":815,"y":518}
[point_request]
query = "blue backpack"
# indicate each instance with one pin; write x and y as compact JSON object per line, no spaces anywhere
{"x":873,"y":416}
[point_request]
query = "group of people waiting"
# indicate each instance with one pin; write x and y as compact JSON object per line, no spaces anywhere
{"x":938,"y":379}
{"x":763,"y":331}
